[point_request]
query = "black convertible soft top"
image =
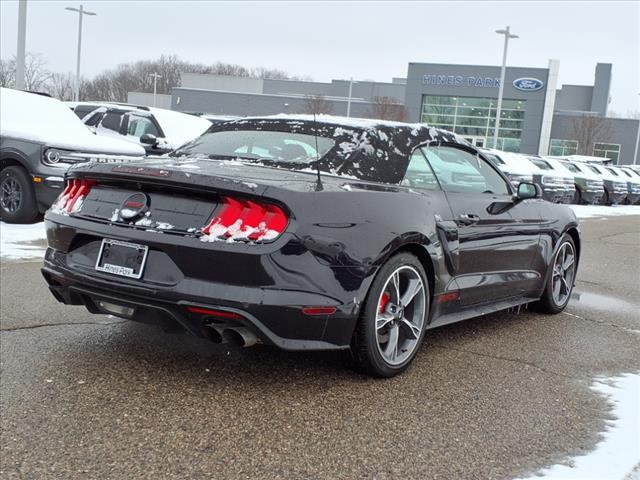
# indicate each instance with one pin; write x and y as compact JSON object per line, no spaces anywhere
{"x":374,"y":150}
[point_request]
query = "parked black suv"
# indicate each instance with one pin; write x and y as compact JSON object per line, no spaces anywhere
{"x":39,"y":139}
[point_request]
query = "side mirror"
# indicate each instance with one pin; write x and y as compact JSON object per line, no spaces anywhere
{"x":528,"y":190}
{"x":148,"y":139}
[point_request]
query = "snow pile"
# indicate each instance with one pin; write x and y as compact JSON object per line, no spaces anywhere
{"x":590,"y":211}
{"x":41,"y":119}
{"x":616,"y":456}
{"x":15,"y":239}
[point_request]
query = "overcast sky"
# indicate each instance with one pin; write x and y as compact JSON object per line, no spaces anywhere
{"x":325,"y":40}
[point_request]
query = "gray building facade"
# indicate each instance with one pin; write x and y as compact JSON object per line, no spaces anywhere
{"x":463,"y":98}
{"x":537,"y":115}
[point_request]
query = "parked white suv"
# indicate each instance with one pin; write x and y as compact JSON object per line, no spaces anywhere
{"x":157,"y":130}
{"x":520,"y":169}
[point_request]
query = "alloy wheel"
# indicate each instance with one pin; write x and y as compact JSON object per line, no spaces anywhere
{"x":10,"y":195}
{"x":400,"y":315}
{"x":563,"y":273}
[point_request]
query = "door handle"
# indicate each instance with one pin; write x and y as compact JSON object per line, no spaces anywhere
{"x":468,"y":219}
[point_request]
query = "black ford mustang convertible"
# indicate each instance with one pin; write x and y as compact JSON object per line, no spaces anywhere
{"x":310,"y":234}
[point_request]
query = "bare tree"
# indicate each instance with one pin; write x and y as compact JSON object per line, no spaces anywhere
{"x":61,"y":85}
{"x":7,"y":73}
{"x":115,"y":84}
{"x":317,"y":104}
{"x":36,"y":75}
{"x":388,"y":108}
{"x":589,"y":129}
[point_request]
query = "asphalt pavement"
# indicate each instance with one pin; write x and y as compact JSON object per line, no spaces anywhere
{"x":85,"y":396}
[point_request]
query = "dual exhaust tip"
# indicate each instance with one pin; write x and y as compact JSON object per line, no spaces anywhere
{"x":238,"y":336}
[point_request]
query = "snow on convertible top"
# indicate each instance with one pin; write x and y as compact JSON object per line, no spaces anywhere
{"x":37,"y":118}
{"x":360,"y":123}
{"x":367,"y":149}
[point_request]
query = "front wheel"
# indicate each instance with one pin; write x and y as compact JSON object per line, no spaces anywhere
{"x":561,"y":279}
{"x":17,"y":198}
{"x":393,"y":319}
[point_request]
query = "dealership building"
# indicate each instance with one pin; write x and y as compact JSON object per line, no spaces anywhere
{"x":538,"y":116}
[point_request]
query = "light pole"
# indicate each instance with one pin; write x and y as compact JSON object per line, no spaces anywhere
{"x":155,"y":81}
{"x":22,"y":36}
{"x":81,"y":11}
{"x":349,"y":98}
{"x":507,"y":35}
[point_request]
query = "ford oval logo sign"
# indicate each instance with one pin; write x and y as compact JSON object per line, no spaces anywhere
{"x":528,"y":84}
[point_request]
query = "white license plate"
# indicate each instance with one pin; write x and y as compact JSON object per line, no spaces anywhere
{"x":122,"y":258}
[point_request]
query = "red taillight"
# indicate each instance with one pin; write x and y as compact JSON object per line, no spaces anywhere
{"x":319,"y":310}
{"x":245,"y":220}
{"x":70,"y":200}
{"x":215,"y":313}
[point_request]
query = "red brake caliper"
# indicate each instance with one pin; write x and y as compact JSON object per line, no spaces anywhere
{"x":383,"y":302}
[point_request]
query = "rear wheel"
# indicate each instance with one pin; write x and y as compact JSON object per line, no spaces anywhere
{"x":393,"y":318}
{"x":17,"y":198}
{"x":560,"y":282}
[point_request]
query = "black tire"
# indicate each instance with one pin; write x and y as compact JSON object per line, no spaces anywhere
{"x":604,"y":200}
{"x":548,"y":303}
{"x":577,"y":197}
{"x":24,"y":208}
{"x":365,"y":347}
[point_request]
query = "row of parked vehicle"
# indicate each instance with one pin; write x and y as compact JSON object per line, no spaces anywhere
{"x":40,"y":137}
{"x":572,"y":179}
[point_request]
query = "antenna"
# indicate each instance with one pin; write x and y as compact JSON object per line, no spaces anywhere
{"x":315,"y":132}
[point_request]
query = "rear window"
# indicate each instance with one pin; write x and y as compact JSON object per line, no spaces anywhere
{"x":270,"y":146}
{"x":541,"y":164}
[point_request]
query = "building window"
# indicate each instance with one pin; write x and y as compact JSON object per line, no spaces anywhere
{"x":563,"y":147}
{"x":607,"y":150}
{"x":475,"y":119}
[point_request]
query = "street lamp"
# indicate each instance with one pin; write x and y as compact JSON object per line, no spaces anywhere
{"x":507,"y":35}
{"x":81,"y":11}
{"x":349,"y":98}
{"x":155,"y":81}
{"x":22,"y":38}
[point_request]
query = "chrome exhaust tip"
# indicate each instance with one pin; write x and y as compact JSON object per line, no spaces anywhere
{"x":213,"y":334}
{"x":239,"y":336}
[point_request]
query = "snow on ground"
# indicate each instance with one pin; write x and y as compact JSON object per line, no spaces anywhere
{"x":589,"y":211}
{"x":15,"y":240}
{"x":617,"y":456}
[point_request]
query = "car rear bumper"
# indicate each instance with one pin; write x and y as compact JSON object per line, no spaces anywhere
{"x":275,"y":317}
{"x":266,"y":289}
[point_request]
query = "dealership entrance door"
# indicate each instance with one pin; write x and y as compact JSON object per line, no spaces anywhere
{"x":477,"y":141}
